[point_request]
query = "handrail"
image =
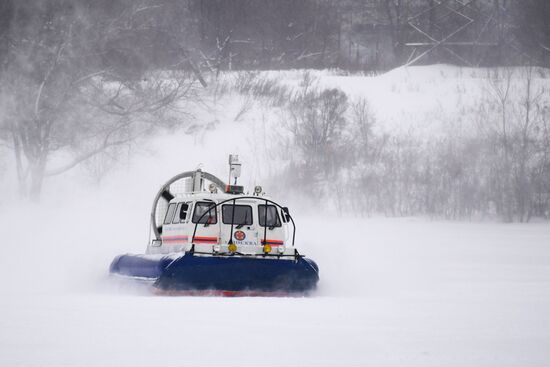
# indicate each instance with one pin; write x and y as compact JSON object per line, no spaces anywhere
{"x":232,"y":219}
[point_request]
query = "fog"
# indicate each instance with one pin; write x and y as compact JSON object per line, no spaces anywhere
{"x":411,"y":147}
{"x":392,"y":290}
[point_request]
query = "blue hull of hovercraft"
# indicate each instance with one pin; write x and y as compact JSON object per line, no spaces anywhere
{"x":220,"y":273}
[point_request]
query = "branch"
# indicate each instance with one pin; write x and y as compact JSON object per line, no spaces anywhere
{"x":106,"y":144}
{"x":46,"y":77}
{"x":89,"y":76}
{"x":144,"y":8}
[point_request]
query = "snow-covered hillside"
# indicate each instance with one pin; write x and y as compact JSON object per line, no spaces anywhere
{"x":415,"y":99}
{"x":393,"y":291}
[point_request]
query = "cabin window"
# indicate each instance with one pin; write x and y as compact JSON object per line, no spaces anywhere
{"x":170,"y":213}
{"x":181,"y":213}
{"x":243,"y":215}
{"x":269,"y":219}
{"x":202,"y":208}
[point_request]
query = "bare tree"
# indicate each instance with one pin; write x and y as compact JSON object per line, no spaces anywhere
{"x":530,"y":121}
{"x":520,"y":102}
{"x":59,"y":97}
{"x":318,"y":122}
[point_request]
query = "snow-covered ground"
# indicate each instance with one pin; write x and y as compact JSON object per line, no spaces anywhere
{"x":393,"y":292}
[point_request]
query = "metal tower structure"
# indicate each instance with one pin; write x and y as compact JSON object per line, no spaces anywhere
{"x":464,"y":30}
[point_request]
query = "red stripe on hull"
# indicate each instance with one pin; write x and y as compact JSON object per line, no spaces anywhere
{"x":212,"y":240}
{"x":174,"y":240}
{"x":273,"y":242}
{"x":222,"y":293}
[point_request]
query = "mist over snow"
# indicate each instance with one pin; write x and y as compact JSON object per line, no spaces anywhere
{"x":410,"y":141}
{"x":394,"y":291}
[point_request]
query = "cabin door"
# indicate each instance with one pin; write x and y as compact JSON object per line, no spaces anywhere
{"x":238,"y":226}
{"x":205,"y":218}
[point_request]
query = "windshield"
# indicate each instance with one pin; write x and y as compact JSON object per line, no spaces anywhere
{"x":269,"y":219}
{"x":200,"y":209}
{"x":243,"y":214}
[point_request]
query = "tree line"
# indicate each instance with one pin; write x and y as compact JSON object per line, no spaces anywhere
{"x":266,"y":34}
{"x":493,"y":160}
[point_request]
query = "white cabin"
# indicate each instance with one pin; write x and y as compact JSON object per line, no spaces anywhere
{"x":220,"y":223}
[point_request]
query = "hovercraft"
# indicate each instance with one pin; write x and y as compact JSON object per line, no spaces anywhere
{"x":219,"y":241}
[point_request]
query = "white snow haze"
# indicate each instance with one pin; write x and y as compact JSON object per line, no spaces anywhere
{"x":393,"y":291}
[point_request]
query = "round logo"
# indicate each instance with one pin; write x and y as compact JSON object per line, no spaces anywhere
{"x":239,"y":235}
